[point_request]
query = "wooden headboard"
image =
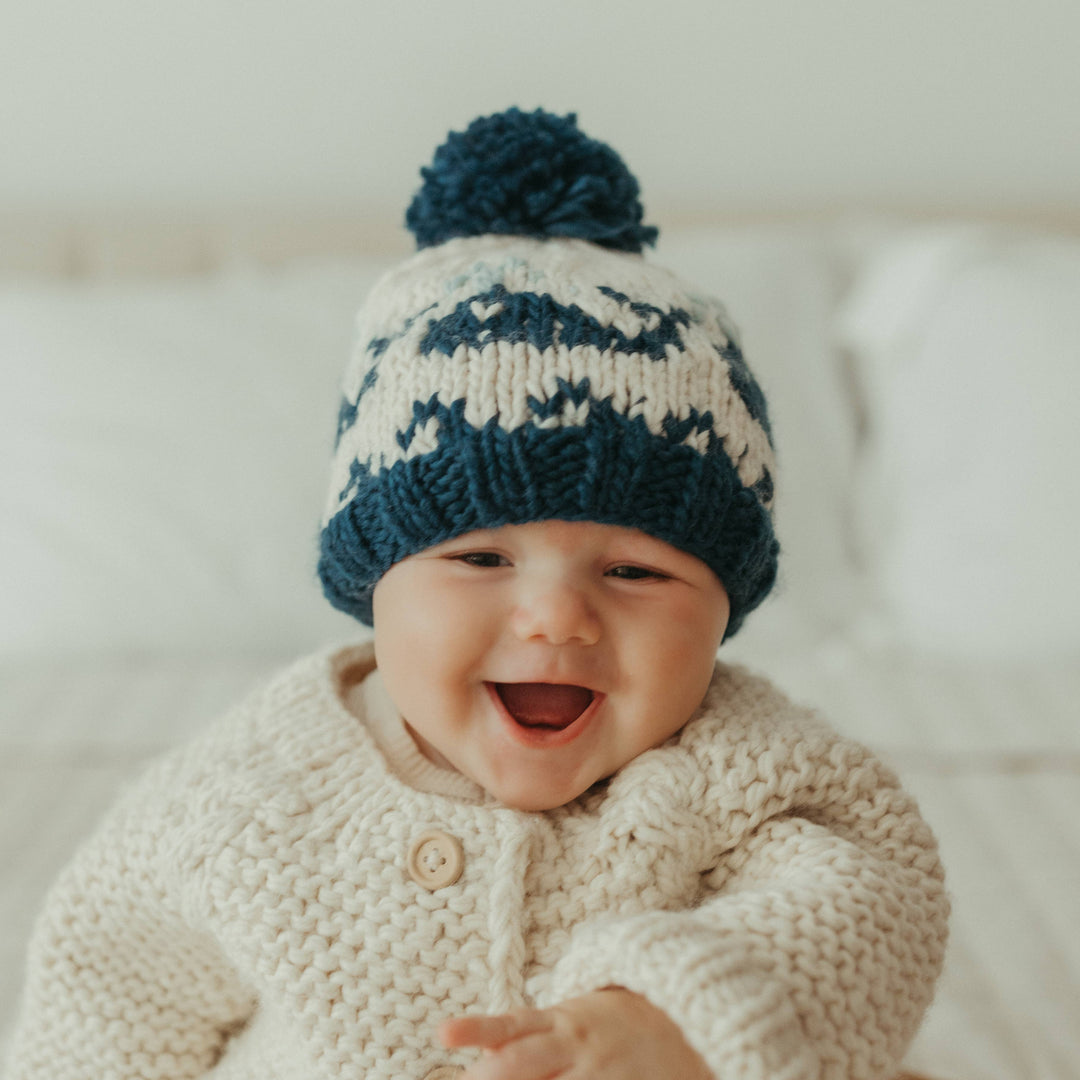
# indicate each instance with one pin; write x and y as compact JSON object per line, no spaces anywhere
{"x":142,"y":245}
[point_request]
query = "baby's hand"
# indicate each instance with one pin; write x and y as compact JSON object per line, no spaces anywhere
{"x":610,"y":1034}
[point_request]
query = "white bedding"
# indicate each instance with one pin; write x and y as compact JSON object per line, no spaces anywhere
{"x":1004,"y":798}
{"x":157,"y":536}
{"x":992,"y":753}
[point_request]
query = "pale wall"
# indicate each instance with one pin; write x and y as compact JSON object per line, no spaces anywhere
{"x":732,"y":106}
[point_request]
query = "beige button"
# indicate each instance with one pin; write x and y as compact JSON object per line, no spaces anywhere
{"x":445,"y":1072}
{"x":435,"y":861}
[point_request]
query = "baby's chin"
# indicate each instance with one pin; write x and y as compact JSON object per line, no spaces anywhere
{"x":532,"y":805}
{"x":536,"y":797}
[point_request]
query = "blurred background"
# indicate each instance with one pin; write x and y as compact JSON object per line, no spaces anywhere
{"x":194,"y":199}
{"x":746,"y":106}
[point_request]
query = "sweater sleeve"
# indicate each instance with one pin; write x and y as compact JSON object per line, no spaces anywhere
{"x":120,"y":981}
{"x":813,"y":949}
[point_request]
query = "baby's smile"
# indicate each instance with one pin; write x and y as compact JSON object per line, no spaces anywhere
{"x":546,"y":705}
{"x":544,"y":716}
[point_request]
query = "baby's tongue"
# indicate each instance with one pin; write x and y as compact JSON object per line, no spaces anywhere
{"x":544,"y":704}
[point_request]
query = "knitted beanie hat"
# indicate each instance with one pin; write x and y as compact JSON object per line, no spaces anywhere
{"x":529,"y":364}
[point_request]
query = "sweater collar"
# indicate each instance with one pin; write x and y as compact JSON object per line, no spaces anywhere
{"x":370,"y":702}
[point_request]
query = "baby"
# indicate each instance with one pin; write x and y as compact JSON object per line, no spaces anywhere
{"x":535,"y":830}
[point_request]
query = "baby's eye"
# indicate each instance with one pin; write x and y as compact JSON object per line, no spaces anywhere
{"x":485,"y":559}
{"x":635,"y":573}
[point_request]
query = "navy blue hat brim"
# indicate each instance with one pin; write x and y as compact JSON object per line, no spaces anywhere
{"x":612,"y":470}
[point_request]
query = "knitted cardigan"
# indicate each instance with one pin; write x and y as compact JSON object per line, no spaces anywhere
{"x":245,"y":911}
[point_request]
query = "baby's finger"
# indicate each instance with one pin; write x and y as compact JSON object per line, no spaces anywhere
{"x":539,"y":1056}
{"x":492,"y":1031}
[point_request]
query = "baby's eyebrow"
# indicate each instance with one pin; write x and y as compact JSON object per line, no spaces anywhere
{"x":467,"y":542}
{"x":473,"y":539}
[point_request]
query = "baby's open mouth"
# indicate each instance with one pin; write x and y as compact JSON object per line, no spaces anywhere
{"x":544,"y":705}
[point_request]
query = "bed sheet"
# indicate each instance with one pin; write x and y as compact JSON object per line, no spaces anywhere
{"x":1003,"y":797}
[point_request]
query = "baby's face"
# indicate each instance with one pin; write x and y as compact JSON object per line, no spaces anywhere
{"x":537,"y":659}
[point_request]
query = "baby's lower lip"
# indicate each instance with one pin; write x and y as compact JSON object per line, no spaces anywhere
{"x":543,"y":737}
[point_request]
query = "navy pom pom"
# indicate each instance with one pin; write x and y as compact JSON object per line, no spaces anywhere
{"x":528,"y":174}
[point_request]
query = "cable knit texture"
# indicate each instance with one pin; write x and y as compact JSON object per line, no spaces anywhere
{"x":246,"y":910}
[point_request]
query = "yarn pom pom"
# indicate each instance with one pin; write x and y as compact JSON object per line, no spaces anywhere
{"x":528,"y":174}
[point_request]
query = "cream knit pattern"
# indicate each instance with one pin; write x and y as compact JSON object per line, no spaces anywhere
{"x":245,"y":910}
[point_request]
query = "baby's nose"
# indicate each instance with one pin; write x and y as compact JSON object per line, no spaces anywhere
{"x":557,"y":612}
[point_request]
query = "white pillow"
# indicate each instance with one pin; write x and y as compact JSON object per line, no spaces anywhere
{"x":165,"y":449}
{"x":781,"y":284}
{"x":968,"y":339}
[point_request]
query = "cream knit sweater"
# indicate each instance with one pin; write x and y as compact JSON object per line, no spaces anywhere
{"x":246,"y":912}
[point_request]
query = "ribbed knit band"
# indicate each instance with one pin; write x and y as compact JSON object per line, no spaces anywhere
{"x":608,"y":471}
